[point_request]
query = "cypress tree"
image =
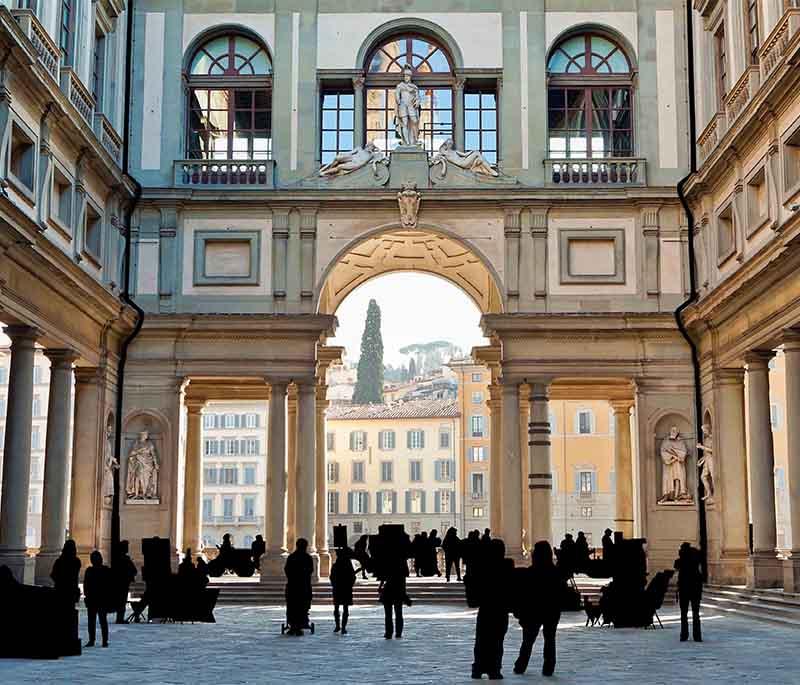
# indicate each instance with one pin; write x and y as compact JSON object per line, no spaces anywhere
{"x":412,"y":369}
{"x":369,"y":378}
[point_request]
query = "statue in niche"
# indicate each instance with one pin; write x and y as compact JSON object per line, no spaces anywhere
{"x":673,"y":471}
{"x":109,"y":466}
{"x":348,"y":162}
{"x":143,"y":466}
{"x":706,"y":463}
{"x":472,"y":161}
{"x":409,"y":200}
{"x":407,"y":109}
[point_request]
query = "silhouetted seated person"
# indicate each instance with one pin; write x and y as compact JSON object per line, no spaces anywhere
{"x":343,"y":578}
{"x":360,"y":553}
{"x":123,"y":573}
{"x":581,"y":552}
{"x":66,"y":570}
{"x":608,"y":545}
{"x":257,"y":548}
{"x":299,"y":569}
{"x":492,"y":580}
{"x":538,"y":600}
{"x":97,"y":593}
{"x":690,"y":589}
{"x":452,"y":553}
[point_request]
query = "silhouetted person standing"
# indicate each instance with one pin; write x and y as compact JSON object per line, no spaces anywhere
{"x":435,"y":542}
{"x":97,"y":593}
{"x":343,"y":578}
{"x":690,"y":589}
{"x":494,"y":579}
{"x":257,"y":549}
{"x":123,"y":573}
{"x":486,"y":538}
{"x":201,"y":570}
{"x":608,"y":545}
{"x":65,"y":573}
{"x":452,"y":553}
{"x":539,"y":598}
{"x":186,"y":570}
{"x":393,"y":593}
{"x":299,"y":569}
{"x":581,"y":552}
{"x":566,"y":555}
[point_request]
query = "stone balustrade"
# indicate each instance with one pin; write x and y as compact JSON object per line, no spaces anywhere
{"x":711,"y":135}
{"x":611,"y":171}
{"x":742,"y":92}
{"x":247,"y":173}
{"x":777,"y":43}
{"x":108,"y":137}
{"x":46,"y":49}
{"x":78,"y":95}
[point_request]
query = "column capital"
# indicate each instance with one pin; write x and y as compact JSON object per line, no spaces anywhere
{"x":722,"y":376}
{"x":21,"y":333}
{"x":791,"y":339}
{"x":88,"y":374}
{"x":539,"y":389}
{"x":277,"y":386}
{"x":758,"y":359}
{"x":194,"y":405}
{"x":621,"y":406}
{"x":62,"y":358}
{"x":305,"y":385}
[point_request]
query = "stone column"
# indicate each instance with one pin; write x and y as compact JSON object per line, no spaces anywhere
{"x":56,"y":462}
{"x":510,"y":465}
{"x":17,"y":451}
{"x":730,"y":475}
{"x":764,"y":569}
{"x":791,"y":566}
{"x":458,"y":111}
{"x":275,"y":510}
{"x":305,"y":483}
{"x":291,"y":467}
{"x":524,"y":470}
{"x":193,"y":475}
{"x":623,"y":466}
{"x":495,"y":460}
{"x":322,"y":482}
{"x":540,"y":473}
{"x":359,"y":111}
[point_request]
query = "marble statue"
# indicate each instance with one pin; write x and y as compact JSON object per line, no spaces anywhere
{"x":472,"y":161}
{"x":673,"y":469}
{"x":407,"y":109}
{"x":109,"y":466}
{"x":348,"y":162}
{"x":143,"y":466}
{"x":409,"y":200}
{"x":706,"y":463}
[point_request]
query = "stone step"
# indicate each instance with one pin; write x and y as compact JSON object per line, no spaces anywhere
{"x":764,"y":595}
{"x":743,"y":604}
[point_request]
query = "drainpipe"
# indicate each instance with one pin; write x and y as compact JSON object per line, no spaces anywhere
{"x":125,"y":294}
{"x":698,"y":400}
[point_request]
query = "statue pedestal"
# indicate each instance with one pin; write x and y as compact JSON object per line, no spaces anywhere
{"x":409,"y":166}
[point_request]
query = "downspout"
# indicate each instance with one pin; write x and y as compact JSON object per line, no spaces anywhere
{"x":698,"y":400}
{"x":125,"y":294}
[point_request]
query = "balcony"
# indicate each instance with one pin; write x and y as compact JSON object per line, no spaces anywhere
{"x":741,"y":93}
{"x":230,"y":173}
{"x":46,"y":50}
{"x":80,"y":98}
{"x":108,"y":137}
{"x":778,"y":42}
{"x":711,"y":135}
{"x":599,"y":172}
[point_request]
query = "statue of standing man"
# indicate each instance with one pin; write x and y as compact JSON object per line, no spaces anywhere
{"x":407,"y":109}
{"x":673,"y":458}
{"x":143,"y":466}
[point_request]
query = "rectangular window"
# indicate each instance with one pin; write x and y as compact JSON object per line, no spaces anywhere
{"x":476,"y":480}
{"x":721,"y":59}
{"x":208,"y":421}
{"x":227,"y":507}
{"x":250,"y":474}
{"x":330,"y":441}
{"x":586,"y":512}
{"x":584,"y":422}
{"x":446,"y":500}
{"x":333,"y":502}
{"x":37,"y":375}
{"x":231,"y":446}
{"x":444,"y":438}
{"x":415,"y":471}
{"x":726,"y":236}
{"x":230,"y":421}
{"x":477,"y":512}
{"x":36,"y":468}
{"x":386,"y":501}
{"x":416,"y":499}
{"x":358,"y":527}
{"x":477,"y":377}
{"x":333,"y":472}
{"x":585,"y":482}
{"x":94,"y":232}
{"x":791,"y":162}
{"x":477,"y":454}
{"x":251,"y":420}
{"x":477,"y":397}
{"x":360,"y":502}
{"x":22,"y":161}
{"x":98,"y":68}
{"x":61,"y":199}
{"x":386,"y":440}
{"x":387,"y":471}
{"x":230,"y":475}
{"x":775,"y":415}
{"x":416,"y":439}
{"x":444,"y":470}
{"x":209,"y":447}
{"x":358,"y":472}
{"x":757,"y":200}
{"x":476,"y":426}
{"x":65,"y":30}
{"x":208,"y":508}
{"x":37,"y":405}
{"x":358,"y":441}
{"x":753,"y":31}
{"x":480,"y":123}
{"x":210,"y":475}
{"x":249,"y":507}
{"x":252,"y":447}
{"x":338,"y":124}
{"x":36,"y":438}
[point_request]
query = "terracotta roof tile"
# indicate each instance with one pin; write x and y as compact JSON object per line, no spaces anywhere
{"x":414,"y":409}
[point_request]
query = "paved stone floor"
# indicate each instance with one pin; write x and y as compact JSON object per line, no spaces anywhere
{"x":246,"y":646}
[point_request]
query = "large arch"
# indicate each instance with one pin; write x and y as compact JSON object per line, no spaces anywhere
{"x":425,"y":249}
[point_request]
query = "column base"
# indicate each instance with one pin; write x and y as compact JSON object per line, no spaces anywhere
{"x":272,"y":564}
{"x":764,"y":570}
{"x":324,"y":563}
{"x":791,"y":573}
{"x":22,"y":566}
{"x":729,"y":569}
{"x":44,"y":565}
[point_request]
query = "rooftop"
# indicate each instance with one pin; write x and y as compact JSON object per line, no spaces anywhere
{"x":416,"y":409}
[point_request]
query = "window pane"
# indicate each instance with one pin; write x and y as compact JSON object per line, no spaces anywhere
{"x":243,"y":99}
{"x":472,"y":100}
{"x":472,"y":140}
{"x":488,"y":140}
{"x":346,"y":119}
{"x":575,"y":98}
{"x":346,"y":100}
{"x":489,"y":119}
{"x":600,"y":98}
{"x":556,"y":98}
{"x":329,"y":119}
{"x":346,"y":141}
{"x":576,"y":118}
{"x":600,"y":119}
{"x":263,"y":99}
{"x":261,"y":121}
{"x":557,"y":119}
{"x":472,"y":119}
{"x":243,"y":120}
{"x":488,"y":100}
{"x":622,"y":119}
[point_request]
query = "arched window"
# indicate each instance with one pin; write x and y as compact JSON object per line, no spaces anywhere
{"x":589,"y":99}
{"x":230,"y":100}
{"x":432,"y":72}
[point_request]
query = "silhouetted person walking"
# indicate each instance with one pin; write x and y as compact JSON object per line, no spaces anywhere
{"x":493,"y":578}
{"x":299,"y":569}
{"x":123,"y":573}
{"x":97,"y":583}
{"x":393,"y":593}
{"x":257,"y":549}
{"x":452,"y":553}
{"x":66,"y":570}
{"x":690,"y":589}
{"x":343,"y":578}
{"x":360,"y":552}
{"x":435,"y":542}
{"x":540,"y":593}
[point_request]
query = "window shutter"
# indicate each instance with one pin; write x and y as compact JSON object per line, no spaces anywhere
{"x":422,"y":501}
{"x":594,"y":481}
{"x":394,"y":501}
{"x":408,"y":439}
{"x":391,"y":440}
{"x":408,"y":501}
{"x":452,"y":501}
{"x":438,"y":471}
{"x":349,"y":502}
{"x":577,"y":481}
{"x":365,"y":500}
{"x":422,"y":440}
{"x":452,"y":470}
{"x":352,"y":441}
{"x":437,"y":502}
{"x":257,"y":419}
{"x":379,"y":502}
{"x":336,"y":471}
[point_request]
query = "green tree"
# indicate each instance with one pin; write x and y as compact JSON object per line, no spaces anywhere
{"x":412,"y":369}
{"x":369,"y":378}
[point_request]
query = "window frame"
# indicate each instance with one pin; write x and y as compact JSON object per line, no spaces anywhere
{"x":719,"y":36}
{"x":66,"y":47}
{"x":752,"y":28}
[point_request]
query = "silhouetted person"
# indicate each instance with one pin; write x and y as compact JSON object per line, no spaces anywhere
{"x":486,"y":538}
{"x":123,"y":573}
{"x":608,"y":544}
{"x":97,"y":583}
{"x":227,"y":546}
{"x":299,"y":568}
{"x":343,"y":578}
{"x":539,"y":600}
{"x":421,"y":552}
{"x":416,"y":546}
{"x":581,"y":552}
{"x":186,"y":569}
{"x":257,"y":548}
{"x":65,"y":573}
{"x":690,"y":589}
{"x":492,"y":594}
{"x":566,"y":555}
{"x":393,"y":593}
{"x":360,"y":553}
{"x":201,"y":572}
{"x":452,"y":553}
{"x":469,"y":548}
{"x":434,"y":542}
